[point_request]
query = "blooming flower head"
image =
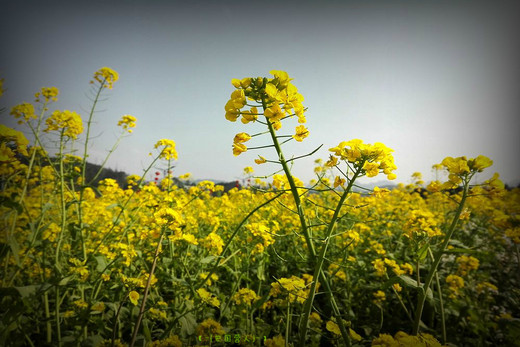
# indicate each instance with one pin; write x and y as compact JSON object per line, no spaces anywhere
{"x":209,"y":327}
{"x":455,"y":283}
{"x":25,"y":110}
{"x":106,"y":77}
{"x":245,"y":296}
{"x":168,"y":152}
{"x":127,"y":122}
{"x":379,"y":297}
{"x":479,"y":163}
{"x":277,"y":95}
{"x":294,"y":288}
{"x":213,"y":242}
{"x":7,"y":136}
{"x":301,"y":133}
{"x":48,"y":94}
{"x":168,"y":216}
{"x":67,"y":121}
{"x":466,"y":264}
{"x":133,"y":296}
{"x":460,"y":168}
{"x":371,"y":158}
{"x":208,"y":298}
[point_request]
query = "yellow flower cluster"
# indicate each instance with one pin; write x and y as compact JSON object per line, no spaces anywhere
{"x":467,"y":264}
{"x":402,"y":339}
{"x":421,"y":222}
{"x":262,"y":231}
{"x":213,"y":242}
{"x":245,"y":296}
{"x":455,"y":283}
{"x":277,"y":96}
{"x":127,"y":122}
{"x":25,"y":110}
{"x":168,"y":216}
{"x":10,"y":136}
{"x":370,"y":158}
{"x":168,"y":151}
{"x":294,"y":288}
{"x":68,"y":122}
{"x":379,"y":297}
{"x":209,"y":327}
{"x":48,"y":94}
{"x":513,"y":234}
{"x":208,"y":298}
{"x":460,"y":167}
{"x":106,"y":77}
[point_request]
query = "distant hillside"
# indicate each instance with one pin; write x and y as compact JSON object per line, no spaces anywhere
{"x":92,"y":169}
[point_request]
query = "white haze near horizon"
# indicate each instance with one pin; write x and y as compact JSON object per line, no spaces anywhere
{"x":428,"y":79}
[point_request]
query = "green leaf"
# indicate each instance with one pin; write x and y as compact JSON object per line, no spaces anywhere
{"x":15,"y":249}
{"x":423,"y":251}
{"x":188,"y":324}
{"x":261,"y":271}
{"x":410,"y":282}
{"x":101,"y":263}
{"x":65,"y":280}
{"x":207,"y":259}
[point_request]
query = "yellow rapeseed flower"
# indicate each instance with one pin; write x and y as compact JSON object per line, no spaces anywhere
{"x":48,"y":93}
{"x":301,"y":133}
{"x":261,"y":160}
{"x":245,"y":296}
{"x":25,"y":110}
{"x":106,"y":77}
{"x":208,"y":298}
{"x":168,"y":152}
{"x":67,"y":121}
{"x":127,"y":122}
{"x":134,"y":297}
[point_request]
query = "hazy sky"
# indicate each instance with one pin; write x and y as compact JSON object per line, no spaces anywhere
{"x":428,"y":79}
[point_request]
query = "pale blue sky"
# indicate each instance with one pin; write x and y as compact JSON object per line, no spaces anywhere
{"x":429,"y":80}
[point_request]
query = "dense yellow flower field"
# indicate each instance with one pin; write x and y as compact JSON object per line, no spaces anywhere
{"x":277,"y":263}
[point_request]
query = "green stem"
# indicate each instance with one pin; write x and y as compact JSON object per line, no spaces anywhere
{"x":288,"y":323}
{"x":10,"y":233}
{"x":294,"y":190}
{"x":83,"y":171}
{"x":318,"y":272}
{"x":47,"y":317}
{"x":146,"y":290}
{"x":310,"y":245}
{"x":437,"y":259}
{"x":57,"y":314}
{"x":63,"y":207}
{"x":441,"y":302}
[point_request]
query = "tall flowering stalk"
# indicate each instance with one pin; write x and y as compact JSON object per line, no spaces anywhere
{"x":460,"y":171}
{"x":278,"y":99}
